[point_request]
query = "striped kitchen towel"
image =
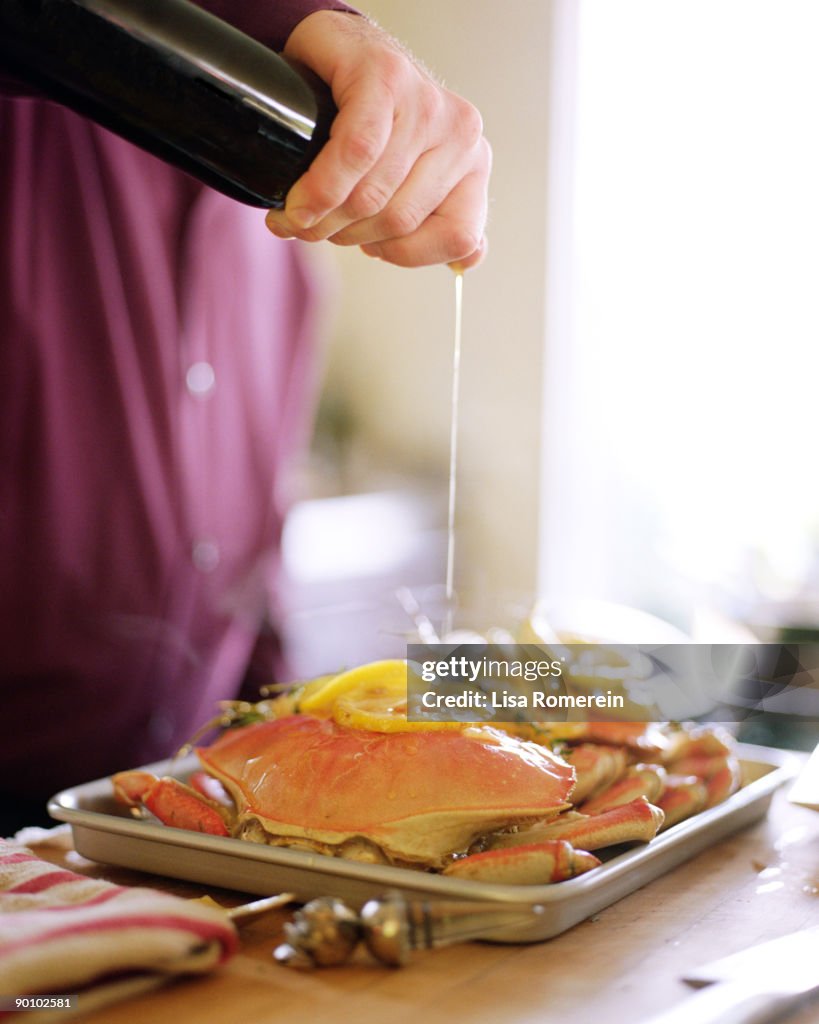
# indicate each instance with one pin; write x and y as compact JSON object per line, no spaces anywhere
{"x":61,"y":932}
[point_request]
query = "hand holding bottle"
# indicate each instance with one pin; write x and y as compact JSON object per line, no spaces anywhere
{"x":405,"y":172}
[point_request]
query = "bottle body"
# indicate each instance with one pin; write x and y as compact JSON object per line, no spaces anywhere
{"x":178,"y":82}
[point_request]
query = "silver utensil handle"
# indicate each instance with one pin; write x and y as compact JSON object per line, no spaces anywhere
{"x":729,"y":1003}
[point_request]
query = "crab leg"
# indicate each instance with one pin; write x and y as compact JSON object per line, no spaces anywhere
{"x":130,"y":787}
{"x":637,"y":821}
{"x":642,"y":780}
{"x":720,"y":773}
{"x":683,"y":796}
{"x":171,"y":801}
{"x":699,"y":742}
{"x":723,"y":782}
{"x":533,"y":864}
{"x":704,"y":766}
{"x":642,"y":737}
{"x":596,"y":766}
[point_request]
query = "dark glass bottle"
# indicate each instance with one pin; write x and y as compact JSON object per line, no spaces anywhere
{"x":177,"y":81}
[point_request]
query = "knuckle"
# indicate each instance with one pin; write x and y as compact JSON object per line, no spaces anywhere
{"x":470,"y":122}
{"x":463,"y":240}
{"x":402,"y":219}
{"x":392,"y":66}
{"x":319,"y":191}
{"x":310,"y":235}
{"x":387,"y":62}
{"x":366,"y":200}
{"x":361,"y":149}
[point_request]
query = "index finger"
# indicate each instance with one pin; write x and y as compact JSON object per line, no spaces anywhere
{"x":358,"y":136}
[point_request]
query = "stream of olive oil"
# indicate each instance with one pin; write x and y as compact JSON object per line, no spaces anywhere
{"x":453,"y":456}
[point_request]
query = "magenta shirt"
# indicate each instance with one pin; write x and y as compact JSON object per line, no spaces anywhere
{"x":155,"y":345}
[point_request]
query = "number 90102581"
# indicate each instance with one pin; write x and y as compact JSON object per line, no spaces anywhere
{"x":53,"y":1002}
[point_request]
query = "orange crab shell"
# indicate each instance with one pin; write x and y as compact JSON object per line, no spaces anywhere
{"x":418,"y":796}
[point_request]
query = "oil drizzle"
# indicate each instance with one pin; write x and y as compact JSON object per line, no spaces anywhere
{"x":453,"y":456}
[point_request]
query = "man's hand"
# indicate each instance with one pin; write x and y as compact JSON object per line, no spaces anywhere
{"x":404,"y":174}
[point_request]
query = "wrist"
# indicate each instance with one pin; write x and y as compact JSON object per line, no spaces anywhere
{"x":318,"y":25}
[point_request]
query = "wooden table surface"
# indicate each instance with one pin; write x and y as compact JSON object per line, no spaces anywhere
{"x":623,"y":965}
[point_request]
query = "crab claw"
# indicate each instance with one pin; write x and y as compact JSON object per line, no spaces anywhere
{"x":533,"y":864}
{"x":642,"y":780}
{"x":706,"y":741}
{"x":130,"y":787}
{"x":171,"y":801}
{"x":637,"y":821}
{"x":720,"y":773}
{"x":683,"y":796}
{"x":704,"y":766}
{"x":597,"y":767}
{"x":725,"y":781}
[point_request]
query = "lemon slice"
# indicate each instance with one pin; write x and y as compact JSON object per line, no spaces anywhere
{"x":386,"y":713}
{"x":387,"y":678}
{"x":372,"y":697}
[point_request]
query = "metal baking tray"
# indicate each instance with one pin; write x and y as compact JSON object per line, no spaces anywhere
{"x":105,"y":832}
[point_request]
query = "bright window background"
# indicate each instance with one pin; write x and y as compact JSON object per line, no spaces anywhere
{"x":683,"y":432}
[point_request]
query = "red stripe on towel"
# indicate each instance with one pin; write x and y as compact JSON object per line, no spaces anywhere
{"x":17,"y":858}
{"x":205,"y":930}
{"x":47,"y":880}
{"x":92,"y":901}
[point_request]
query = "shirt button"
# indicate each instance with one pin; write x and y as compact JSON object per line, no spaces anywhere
{"x":200,"y":379}
{"x":205,"y":555}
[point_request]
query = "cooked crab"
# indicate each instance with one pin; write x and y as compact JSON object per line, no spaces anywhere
{"x":335,"y":766}
{"x":416,"y":799}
